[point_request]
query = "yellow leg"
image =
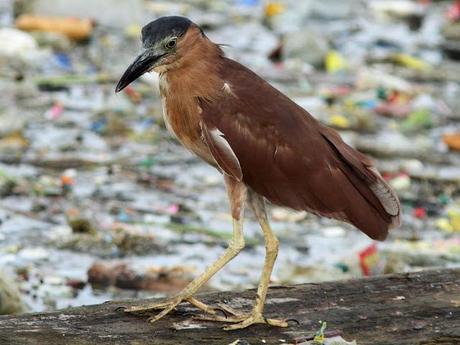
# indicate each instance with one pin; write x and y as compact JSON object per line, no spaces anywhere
{"x":242,"y":320}
{"x":271,"y":247}
{"x":237,"y":196}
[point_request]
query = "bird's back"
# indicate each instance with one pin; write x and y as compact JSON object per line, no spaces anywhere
{"x":293,"y":160}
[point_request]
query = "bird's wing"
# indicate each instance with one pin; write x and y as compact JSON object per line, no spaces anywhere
{"x":221,"y":151}
{"x":257,"y":134}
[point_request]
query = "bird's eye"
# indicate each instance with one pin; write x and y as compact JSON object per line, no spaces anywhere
{"x":171,"y":43}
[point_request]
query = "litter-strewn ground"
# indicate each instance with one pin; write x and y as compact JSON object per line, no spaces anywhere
{"x":99,"y":202}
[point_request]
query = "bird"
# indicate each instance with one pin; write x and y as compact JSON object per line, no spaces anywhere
{"x":267,"y":147}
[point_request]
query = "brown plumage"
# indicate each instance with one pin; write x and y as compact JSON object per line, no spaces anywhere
{"x":290,"y":158}
{"x":258,"y":138}
{"x":279,"y":150}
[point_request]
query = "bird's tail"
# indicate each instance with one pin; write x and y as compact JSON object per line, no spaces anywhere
{"x":374,"y":207}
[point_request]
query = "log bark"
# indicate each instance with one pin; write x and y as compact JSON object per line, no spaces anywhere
{"x":420,"y":308}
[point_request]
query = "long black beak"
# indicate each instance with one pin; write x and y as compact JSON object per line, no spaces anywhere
{"x":142,"y":64}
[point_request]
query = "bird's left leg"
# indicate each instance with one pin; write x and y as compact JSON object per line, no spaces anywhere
{"x":237,"y":195}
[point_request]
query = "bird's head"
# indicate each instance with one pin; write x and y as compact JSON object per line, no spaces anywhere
{"x":166,"y":41}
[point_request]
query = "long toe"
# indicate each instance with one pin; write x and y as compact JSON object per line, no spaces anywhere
{"x":165,"y":311}
{"x":255,"y":319}
{"x":229,"y":311}
{"x":202,"y":306}
{"x":224,"y":313}
{"x":221,"y":318}
{"x":148,"y":308}
{"x":145,"y":308}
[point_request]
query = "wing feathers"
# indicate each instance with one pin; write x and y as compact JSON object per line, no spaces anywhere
{"x":222,"y":152}
{"x":261,"y":137}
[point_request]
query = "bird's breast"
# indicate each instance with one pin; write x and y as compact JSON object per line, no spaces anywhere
{"x":183,"y":120}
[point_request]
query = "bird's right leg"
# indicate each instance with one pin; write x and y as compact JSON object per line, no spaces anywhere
{"x":271,"y":248}
{"x":237,"y":195}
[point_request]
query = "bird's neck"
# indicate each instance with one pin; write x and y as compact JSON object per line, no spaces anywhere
{"x":196,"y":75}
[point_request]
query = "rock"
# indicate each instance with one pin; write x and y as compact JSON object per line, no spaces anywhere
{"x":452,"y":49}
{"x":16,"y":43}
{"x":53,"y":40}
{"x":248,"y":38}
{"x":7,"y":184}
{"x":374,"y":78}
{"x":396,"y":110}
{"x":395,"y":144}
{"x":105,"y":274}
{"x":13,"y":144}
{"x":130,"y":240}
{"x":10,"y":123}
{"x":6,"y":12}
{"x":334,"y":9}
{"x":10,"y":297}
{"x":82,"y":226}
{"x":19,"y":53}
{"x":422,"y":253}
{"x":315,"y":273}
{"x":306,"y":45}
{"x":452,"y":31}
{"x":399,"y":183}
{"x":397,"y":8}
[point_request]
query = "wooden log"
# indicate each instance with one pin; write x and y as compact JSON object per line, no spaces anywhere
{"x":415,"y":308}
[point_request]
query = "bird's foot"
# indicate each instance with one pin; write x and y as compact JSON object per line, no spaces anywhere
{"x":203,"y":306}
{"x":241,"y":320}
{"x":229,"y":315}
{"x":168,"y":306}
{"x":165,"y":308}
{"x":255,"y":318}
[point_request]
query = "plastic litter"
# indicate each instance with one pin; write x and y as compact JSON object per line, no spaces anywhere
{"x":73,"y":28}
{"x":87,"y":175}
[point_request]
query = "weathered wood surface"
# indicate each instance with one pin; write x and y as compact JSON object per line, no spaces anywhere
{"x":417,"y":308}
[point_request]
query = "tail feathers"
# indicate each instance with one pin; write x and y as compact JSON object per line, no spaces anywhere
{"x":364,"y":209}
{"x":379,"y":199}
{"x":387,"y":198}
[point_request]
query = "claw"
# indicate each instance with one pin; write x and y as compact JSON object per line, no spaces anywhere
{"x":228,"y":309}
{"x":297,"y":322}
{"x":222,"y":311}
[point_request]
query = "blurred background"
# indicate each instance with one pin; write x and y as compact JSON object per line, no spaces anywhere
{"x":99,"y":202}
